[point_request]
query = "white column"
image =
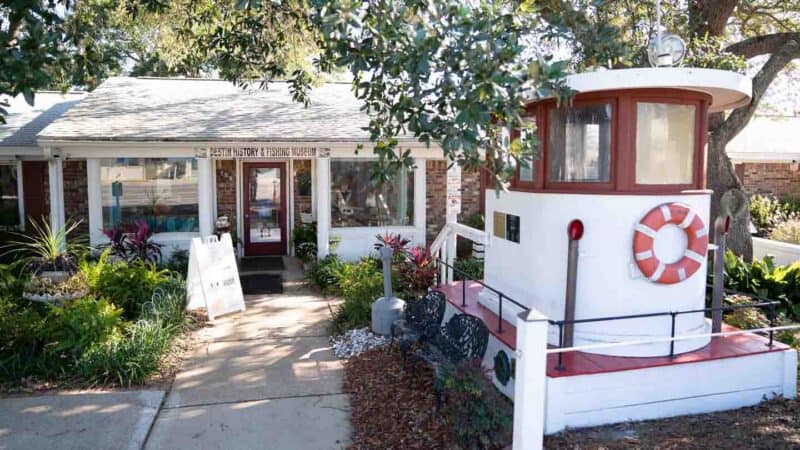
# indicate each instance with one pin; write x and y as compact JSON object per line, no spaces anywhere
{"x":205,"y":195}
{"x":420,"y":195}
{"x":322,"y":188}
{"x":55,"y":172}
{"x":95,"y":194}
{"x":530,"y":385}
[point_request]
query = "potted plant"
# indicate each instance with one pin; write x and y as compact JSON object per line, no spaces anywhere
{"x":50,"y":256}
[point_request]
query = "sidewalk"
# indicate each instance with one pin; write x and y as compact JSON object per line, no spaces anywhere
{"x":265,"y":378}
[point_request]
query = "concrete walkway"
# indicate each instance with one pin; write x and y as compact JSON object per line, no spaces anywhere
{"x":265,"y":378}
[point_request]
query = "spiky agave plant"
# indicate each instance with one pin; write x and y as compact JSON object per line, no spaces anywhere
{"x":46,"y":248}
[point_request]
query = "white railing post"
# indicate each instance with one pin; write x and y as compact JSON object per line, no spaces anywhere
{"x":451,"y":254}
{"x":530,"y":385}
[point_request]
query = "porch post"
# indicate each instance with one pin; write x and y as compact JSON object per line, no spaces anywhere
{"x":205,"y":196}
{"x":95,"y":194}
{"x":530,"y":388}
{"x":55,"y":172}
{"x":323,"y":194}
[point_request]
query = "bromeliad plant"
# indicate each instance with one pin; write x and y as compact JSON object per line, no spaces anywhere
{"x":133,"y":243}
{"x":417,"y":270}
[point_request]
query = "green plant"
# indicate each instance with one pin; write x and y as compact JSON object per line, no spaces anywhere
{"x":76,"y":284}
{"x":765,"y":280}
{"x":767,"y":212}
{"x":178,"y":261}
{"x":45,"y":248}
{"x":126,"y":285}
{"x":480,"y":416}
{"x":360,"y":284}
{"x":73,"y":327}
{"x":304,"y":238}
{"x":472,"y":267}
{"x":416,"y":270}
{"x":788,"y":231}
{"x":325,"y":273}
{"x":21,"y":341}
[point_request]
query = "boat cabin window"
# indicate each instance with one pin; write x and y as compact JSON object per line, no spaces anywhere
{"x":579,"y":144}
{"x":665,"y":143}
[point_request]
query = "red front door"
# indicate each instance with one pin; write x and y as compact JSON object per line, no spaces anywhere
{"x":264,"y":208}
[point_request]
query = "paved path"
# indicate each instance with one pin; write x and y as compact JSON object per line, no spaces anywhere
{"x":265,"y":378}
{"x":93,"y":420}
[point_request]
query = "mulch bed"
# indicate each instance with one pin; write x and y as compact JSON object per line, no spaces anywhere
{"x":770,"y":425}
{"x":393,"y":407}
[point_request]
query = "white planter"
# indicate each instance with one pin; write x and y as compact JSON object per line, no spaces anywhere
{"x":784,"y":253}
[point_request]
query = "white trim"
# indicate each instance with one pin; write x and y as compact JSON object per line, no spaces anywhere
{"x":55,"y":173}
{"x":323,"y":190}
{"x":95,"y":193}
{"x":13,"y":152}
{"x":420,"y":194}
{"x":17,"y":165}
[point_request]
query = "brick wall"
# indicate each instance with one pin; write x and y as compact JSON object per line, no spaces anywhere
{"x":435,"y":198}
{"x":302,"y":181}
{"x":470,"y":194}
{"x":226,"y":190}
{"x":778,"y":179}
{"x":76,"y":194}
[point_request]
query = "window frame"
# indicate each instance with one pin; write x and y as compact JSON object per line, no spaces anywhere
{"x":517,"y":183}
{"x":622,"y":171}
{"x":584,"y":186}
{"x":412,"y":201}
{"x":672,"y":97}
{"x":17,"y":165}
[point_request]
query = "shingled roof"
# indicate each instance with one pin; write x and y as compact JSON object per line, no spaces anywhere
{"x":24,"y":122}
{"x":196,"y":110}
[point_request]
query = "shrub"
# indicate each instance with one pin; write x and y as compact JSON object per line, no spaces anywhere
{"x":178,"y":262}
{"x":325,"y":273}
{"x":304,"y":238}
{"x":125,"y":285}
{"x":479,"y":414}
{"x":416,"y":270}
{"x":134,"y":243}
{"x":360,"y":284}
{"x":472,"y":267}
{"x":764,"y":279}
{"x":21,"y":343}
{"x":45,"y":248}
{"x":788,"y":231}
{"x":768,"y":212}
{"x":78,"y":324}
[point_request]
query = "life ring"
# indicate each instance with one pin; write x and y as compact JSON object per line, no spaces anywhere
{"x":644,"y":238}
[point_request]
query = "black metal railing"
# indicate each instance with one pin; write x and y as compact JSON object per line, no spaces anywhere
{"x":769,"y":305}
{"x":464,"y":278}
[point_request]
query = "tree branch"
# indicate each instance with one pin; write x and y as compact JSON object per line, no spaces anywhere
{"x":740,"y":117}
{"x":762,"y":45}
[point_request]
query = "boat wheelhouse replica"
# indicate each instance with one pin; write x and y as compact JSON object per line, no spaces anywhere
{"x":604,"y":239}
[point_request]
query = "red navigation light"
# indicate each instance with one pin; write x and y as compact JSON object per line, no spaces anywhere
{"x":575,"y":230}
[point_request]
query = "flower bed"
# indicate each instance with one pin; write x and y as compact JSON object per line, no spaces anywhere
{"x":119,"y":332}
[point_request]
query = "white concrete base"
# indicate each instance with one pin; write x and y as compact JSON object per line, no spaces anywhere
{"x":659,"y":392}
{"x":782,"y":252}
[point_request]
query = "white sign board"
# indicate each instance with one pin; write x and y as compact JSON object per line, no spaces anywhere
{"x":213,"y":278}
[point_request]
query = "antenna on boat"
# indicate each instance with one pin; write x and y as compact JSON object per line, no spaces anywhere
{"x":665,"y":49}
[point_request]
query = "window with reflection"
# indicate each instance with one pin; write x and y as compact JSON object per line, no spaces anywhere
{"x":665,"y":143}
{"x":9,"y":196}
{"x":579,"y":143}
{"x":357,"y":202}
{"x":526,"y":168}
{"x":161,"y":191}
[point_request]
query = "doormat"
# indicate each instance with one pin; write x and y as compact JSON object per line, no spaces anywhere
{"x":261,"y":263}
{"x":261,"y":284}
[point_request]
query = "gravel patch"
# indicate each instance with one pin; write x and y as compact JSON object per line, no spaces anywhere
{"x":357,"y":341}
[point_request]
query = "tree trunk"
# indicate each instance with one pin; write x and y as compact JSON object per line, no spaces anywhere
{"x":722,"y":179}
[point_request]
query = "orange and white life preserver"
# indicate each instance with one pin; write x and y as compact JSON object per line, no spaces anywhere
{"x":694,"y":256}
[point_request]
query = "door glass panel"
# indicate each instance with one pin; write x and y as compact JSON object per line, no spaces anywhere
{"x":265,"y":204}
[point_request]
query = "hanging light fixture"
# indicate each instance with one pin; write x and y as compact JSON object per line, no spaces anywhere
{"x":665,"y":49}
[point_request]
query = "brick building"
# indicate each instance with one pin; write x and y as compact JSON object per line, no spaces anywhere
{"x":182,"y":154}
{"x":766,"y":155}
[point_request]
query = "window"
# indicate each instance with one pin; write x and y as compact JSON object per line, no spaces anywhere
{"x":526,"y":168}
{"x":579,"y":144}
{"x":161,"y":191}
{"x":10,"y":217}
{"x":665,"y":143}
{"x":357,"y":202}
